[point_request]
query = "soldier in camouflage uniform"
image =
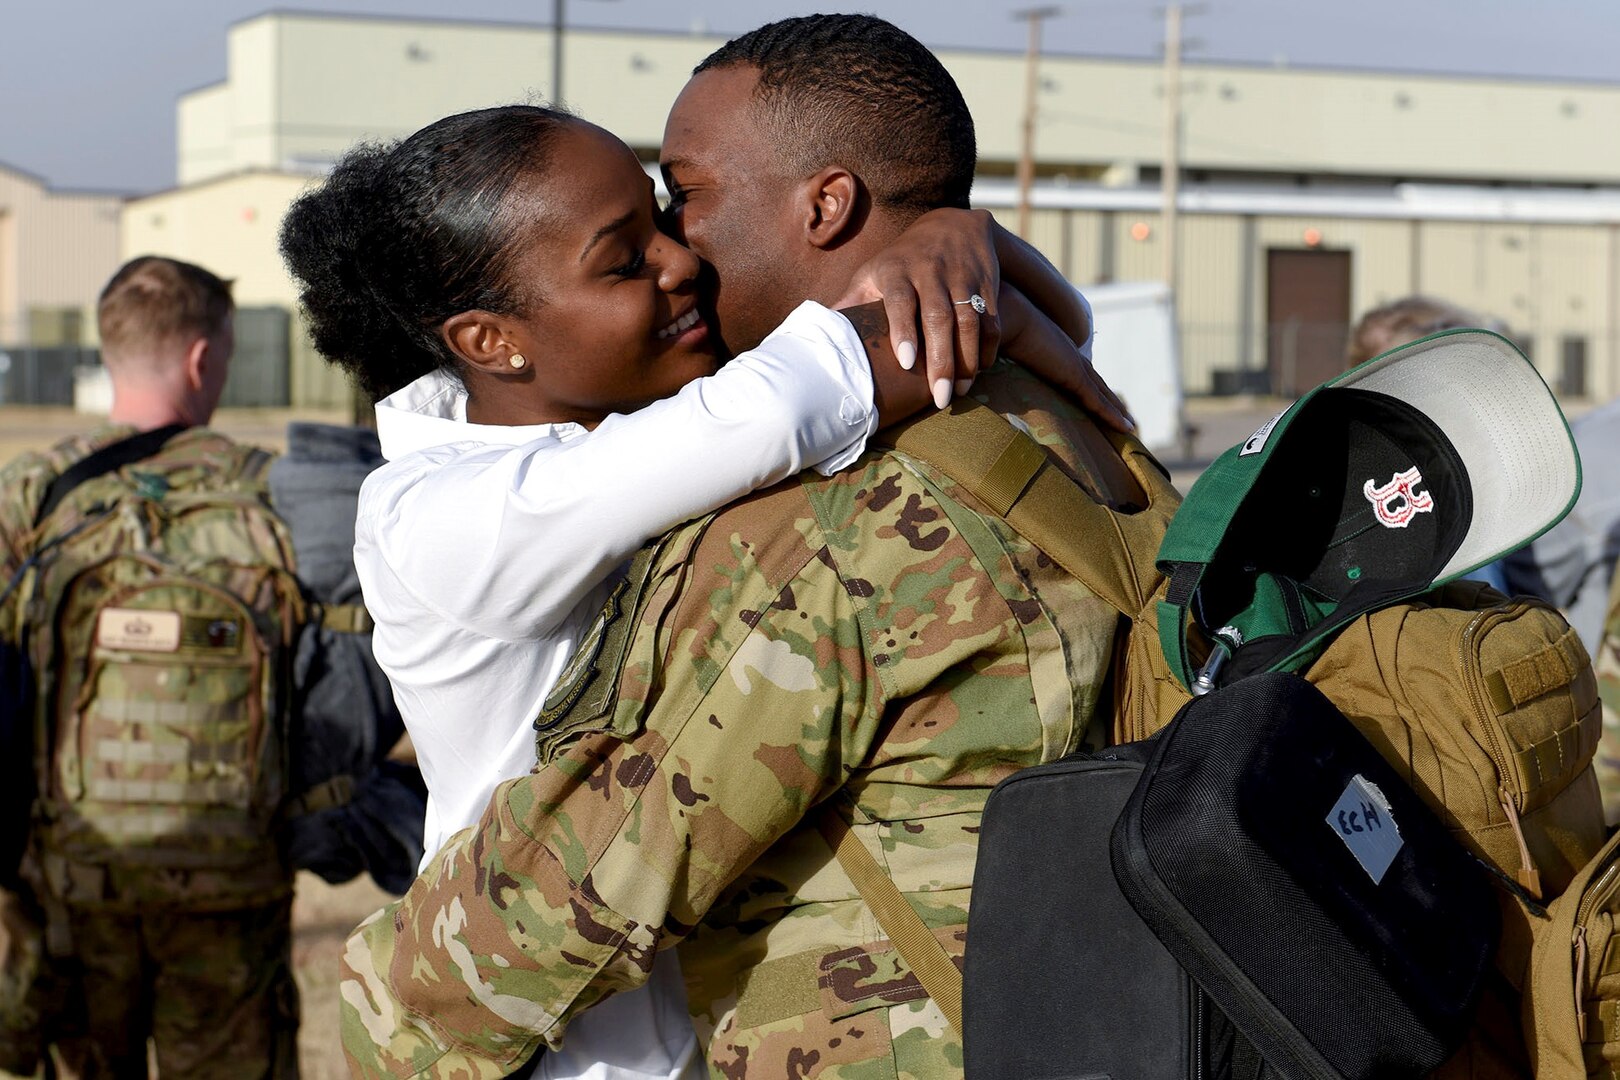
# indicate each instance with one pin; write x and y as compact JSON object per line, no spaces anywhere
{"x":213,"y":990}
{"x":1607,"y":664}
{"x":869,"y":646}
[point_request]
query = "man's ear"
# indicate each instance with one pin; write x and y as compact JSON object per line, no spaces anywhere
{"x":198,"y":363}
{"x":833,"y":209}
{"x":481,"y":340}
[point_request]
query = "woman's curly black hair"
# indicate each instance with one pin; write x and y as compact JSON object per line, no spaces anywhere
{"x":404,"y":235}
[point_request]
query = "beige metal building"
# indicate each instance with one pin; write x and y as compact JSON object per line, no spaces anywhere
{"x":229,"y":223}
{"x":57,"y":248}
{"x":1309,"y":196}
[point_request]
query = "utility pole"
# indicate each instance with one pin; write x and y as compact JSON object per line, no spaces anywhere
{"x":1170,"y":171}
{"x":1026,"y":157}
{"x":559,"y":22}
{"x":556,"y":51}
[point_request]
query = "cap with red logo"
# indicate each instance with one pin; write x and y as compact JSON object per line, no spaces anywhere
{"x":1411,"y":470}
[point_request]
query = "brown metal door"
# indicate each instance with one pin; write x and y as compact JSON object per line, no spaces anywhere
{"x":1307,"y":317}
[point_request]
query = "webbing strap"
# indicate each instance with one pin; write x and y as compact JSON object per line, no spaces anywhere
{"x":1010,"y":475}
{"x":1609,"y":962}
{"x":347,"y":618}
{"x":1110,"y":552}
{"x":188,"y":713}
{"x":127,"y":752}
{"x":1551,"y":758}
{"x":911,"y":938}
{"x":223,"y":791}
{"x":1528,"y":678}
{"x":329,"y":793}
{"x":1602,"y":1021}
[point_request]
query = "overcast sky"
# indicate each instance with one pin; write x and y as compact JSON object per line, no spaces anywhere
{"x":88,"y":87}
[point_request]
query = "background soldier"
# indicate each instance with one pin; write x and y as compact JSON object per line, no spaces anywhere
{"x":170,"y":644}
{"x":195,"y":957}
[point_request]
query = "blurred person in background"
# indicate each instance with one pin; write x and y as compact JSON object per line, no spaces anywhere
{"x":1408,"y":319}
{"x":171,"y":774}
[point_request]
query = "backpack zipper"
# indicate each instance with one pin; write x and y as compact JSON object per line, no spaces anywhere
{"x":1467,"y":661}
{"x":1200,"y":1002}
{"x":1528,"y":875}
{"x":1596,"y":895}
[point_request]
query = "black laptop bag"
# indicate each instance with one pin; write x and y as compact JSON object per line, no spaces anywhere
{"x":1254,"y":892}
{"x":1063,"y":979}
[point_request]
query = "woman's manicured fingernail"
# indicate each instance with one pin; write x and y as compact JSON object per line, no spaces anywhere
{"x":963,"y":386}
{"x":942,"y":392}
{"x":906,"y":353}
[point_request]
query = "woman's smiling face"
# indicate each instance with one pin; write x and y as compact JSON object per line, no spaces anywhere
{"x":610,"y":319}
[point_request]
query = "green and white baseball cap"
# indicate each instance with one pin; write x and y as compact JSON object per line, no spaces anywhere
{"x":1424,"y":463}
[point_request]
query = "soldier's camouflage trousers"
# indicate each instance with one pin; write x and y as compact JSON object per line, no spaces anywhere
{"x":1607,"y":665}
{"x":214,"y":992}
{"x":29,"y":995}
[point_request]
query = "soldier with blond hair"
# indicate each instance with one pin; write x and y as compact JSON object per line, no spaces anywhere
{"x":161,"y":891}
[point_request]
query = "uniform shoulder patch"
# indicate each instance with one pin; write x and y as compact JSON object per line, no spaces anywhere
{"x":587,"y":690}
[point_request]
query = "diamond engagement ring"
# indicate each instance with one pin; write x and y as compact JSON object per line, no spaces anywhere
{"x":976,"y":302}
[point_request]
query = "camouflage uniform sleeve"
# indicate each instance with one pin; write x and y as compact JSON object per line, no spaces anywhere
{"x":578,"y":874}
{"x":21,"y":488}
{"x":1607,"y":665}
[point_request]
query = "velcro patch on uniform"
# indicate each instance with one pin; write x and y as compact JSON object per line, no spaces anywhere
{"x":210,"y":632}
{"x":134,"y":630}
{"x":1362,"y":819}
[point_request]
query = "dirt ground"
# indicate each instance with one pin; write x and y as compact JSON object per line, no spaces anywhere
{"x":323,"y":915}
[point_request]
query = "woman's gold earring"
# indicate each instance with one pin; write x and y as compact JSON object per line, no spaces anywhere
{"x":517,"y":360}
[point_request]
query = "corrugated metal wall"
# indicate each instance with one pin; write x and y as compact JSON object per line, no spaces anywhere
{"x":1556,"y":287}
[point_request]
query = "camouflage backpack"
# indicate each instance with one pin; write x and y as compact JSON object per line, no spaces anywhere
{"x":161,"y":609}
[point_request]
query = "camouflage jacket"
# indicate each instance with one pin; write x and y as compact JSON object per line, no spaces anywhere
{"x":1606,"y":661}
{"x":867,"y":645}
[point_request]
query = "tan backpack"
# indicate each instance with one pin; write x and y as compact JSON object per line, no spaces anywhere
{"x":1572,"y":997}
{"x":1490,"y":708}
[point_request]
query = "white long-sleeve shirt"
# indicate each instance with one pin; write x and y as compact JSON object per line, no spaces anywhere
{"x":484,"y":551}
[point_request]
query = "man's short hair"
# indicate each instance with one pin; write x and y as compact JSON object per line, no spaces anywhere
{"x":857,"y":91}
{"x":152,"y":300}
{"x":1408,"y":319}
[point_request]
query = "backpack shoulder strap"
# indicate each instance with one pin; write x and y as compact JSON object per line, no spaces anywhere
{"x":109,"y":458}
{"x":1111,"y":552}
{"x":256,"y":464}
